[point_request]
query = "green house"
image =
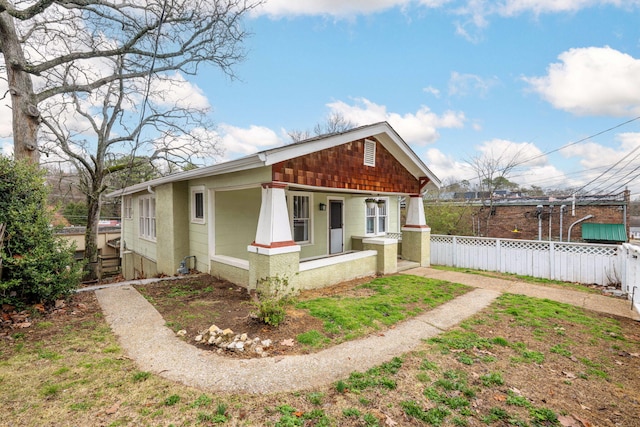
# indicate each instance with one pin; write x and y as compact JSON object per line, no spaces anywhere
{"x":319,"y":212}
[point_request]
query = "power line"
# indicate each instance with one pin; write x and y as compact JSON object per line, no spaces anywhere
{"x":579,"y":141}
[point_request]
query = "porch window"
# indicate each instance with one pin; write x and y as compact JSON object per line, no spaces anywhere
{"x":376,"y":218}
{"x":147,"y":214}
{"x":197,"y":205}
{"x":301,"y":218}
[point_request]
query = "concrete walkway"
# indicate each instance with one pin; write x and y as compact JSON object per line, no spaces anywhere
{"x":590,"y":301}
{"x":143,"y":335}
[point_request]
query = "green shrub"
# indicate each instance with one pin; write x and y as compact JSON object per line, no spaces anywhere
{"x":36,"y":264}
{"x":274,"y":294}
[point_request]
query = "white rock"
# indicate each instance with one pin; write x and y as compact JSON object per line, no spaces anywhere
{"x":181,"y":333}
{"x":198,"y":338}
{"x":212,"y":339}
{"x":244,"y":337}
{"x":266,"y":343}
{"x":228,"y":332}
{"x":213,"y":329}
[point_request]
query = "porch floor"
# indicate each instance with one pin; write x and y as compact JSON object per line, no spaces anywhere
{"x":404,"y":264}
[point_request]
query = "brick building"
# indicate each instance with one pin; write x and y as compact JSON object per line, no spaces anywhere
{"x":549,"y":217}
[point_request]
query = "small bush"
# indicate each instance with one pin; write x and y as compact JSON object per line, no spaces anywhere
{"x":273,"y":296}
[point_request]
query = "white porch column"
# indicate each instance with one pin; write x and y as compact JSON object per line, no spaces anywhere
{"x":273,"y":224}
{"x":415,"y":212}
{"x":273,"y":253}
{"x":416,"y":234}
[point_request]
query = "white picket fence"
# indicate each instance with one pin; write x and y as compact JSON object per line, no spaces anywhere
{"x":570,"y":262}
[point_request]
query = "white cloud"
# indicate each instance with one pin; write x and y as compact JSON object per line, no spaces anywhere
{"x":174,"y":90}
{"x":5,"y":112}
{"x":592,"y":81}
{"x":523,"y":153}
{"x":419,"y":128}
{"x":593,"y":155}
{"x":470,"y":84}
{"x":239,"y":142}
{"x":514,"y":7}
{"x":446,"y":168}
{"x":538,"y":172}
{"x":336,"y":8}
{"x":6,"y":148}
{"x":432,"y":90}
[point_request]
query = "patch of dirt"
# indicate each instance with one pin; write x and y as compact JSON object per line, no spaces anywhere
{"x":73,"y":312}
{"x":194,"y":304}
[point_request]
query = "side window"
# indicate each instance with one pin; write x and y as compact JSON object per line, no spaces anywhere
{"x":147,"y":217}
{"x":128,"y":207}
{"x":301,"y":218}
{"x":197,"y":205}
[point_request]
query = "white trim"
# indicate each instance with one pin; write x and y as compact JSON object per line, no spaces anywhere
{"x":198,"y":189}
{"x":211,"y":229}
{"x":380,"y":241}
{"x":382,"y":132}
{"x":416,"y":229}
{"x":338,"y":259}
{"x":273,"y":251}
{"x":328,"y":226}
{"x":234,"y":262}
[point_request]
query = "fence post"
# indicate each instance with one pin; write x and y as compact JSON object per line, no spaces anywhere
{"x":454,"y":255}
{"x":498,"y":256}
{"x":552,"y":260}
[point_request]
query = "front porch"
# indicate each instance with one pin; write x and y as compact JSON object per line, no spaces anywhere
{"x":275,"y":253}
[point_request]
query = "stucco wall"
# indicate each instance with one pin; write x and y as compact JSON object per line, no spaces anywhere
{"x":335,"y":273}
{"x":232,"y":273}
{"x":236,"y":221}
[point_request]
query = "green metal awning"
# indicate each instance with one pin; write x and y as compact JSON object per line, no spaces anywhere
{"x":604,"y":232}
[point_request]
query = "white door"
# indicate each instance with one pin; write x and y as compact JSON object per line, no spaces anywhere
{"x":336,"y":231}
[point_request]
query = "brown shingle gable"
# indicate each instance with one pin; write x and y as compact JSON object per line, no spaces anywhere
{"x":343,"y":167}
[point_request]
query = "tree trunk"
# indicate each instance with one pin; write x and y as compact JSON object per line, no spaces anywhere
{"x":26,"y":117}
{"x":91,"y":234}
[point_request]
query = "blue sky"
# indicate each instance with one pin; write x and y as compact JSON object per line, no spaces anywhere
{"x":457,"y":79}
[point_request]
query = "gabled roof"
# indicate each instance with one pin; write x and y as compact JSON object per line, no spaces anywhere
{"x":382,"y":131}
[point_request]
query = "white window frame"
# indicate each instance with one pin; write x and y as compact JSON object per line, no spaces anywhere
{"x":370,"y":149}
{"x":309,"y":219}
{"x":194,"y":197}
{"x":128,"y":207}
{"x":377,"y":214}
{"x":147,"y":217}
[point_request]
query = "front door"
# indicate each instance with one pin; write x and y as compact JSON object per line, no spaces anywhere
{"x":336,"y":235}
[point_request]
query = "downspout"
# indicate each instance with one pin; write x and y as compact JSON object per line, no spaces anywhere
{"x":539,"y":214}
{"x":150,"y":190}
{"x":571,"y":226}
{"x":550,"y":212}
{"x":562,"y":208}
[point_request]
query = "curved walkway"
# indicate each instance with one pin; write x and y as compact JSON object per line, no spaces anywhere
{"x":144,"y":337}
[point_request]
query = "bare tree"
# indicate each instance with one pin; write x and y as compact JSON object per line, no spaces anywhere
{"x":492,"y":171}
{"x":335,"y":123}
{"x":51,"y":48}
{"x":98,"y":82}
